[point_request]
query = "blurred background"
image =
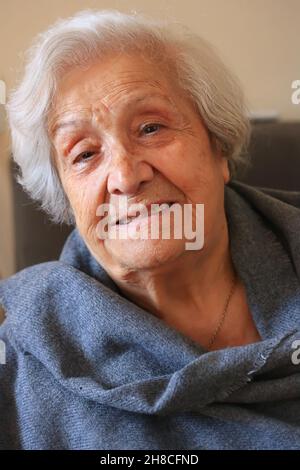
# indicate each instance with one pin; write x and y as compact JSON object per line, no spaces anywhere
{"x":258,"y":39}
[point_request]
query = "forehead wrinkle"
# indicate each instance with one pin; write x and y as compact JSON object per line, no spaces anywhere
{"x":129,"y":77}
{"x":112,"y":90}
{"x":133,"y":99}
{"x":104,"y":108}
{"x":57,"y":122}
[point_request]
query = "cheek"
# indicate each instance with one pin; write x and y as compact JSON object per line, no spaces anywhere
{"x":190,"y":165}
{"x":85,"y":196}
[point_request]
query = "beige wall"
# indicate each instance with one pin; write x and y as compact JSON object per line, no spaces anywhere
{"x":6,"y":213}
{"x":258,"y":38}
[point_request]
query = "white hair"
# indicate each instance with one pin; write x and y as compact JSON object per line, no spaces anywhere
{"x":91,"y":35}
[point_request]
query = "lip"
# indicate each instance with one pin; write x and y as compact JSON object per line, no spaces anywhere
{"x":132,"y":213}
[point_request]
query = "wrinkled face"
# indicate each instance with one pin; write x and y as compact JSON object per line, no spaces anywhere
{"x":124,"y":133}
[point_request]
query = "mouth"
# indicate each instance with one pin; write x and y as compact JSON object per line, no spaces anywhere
{"x":160,"y":206}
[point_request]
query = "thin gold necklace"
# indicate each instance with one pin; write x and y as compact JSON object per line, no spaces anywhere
{"x":220,"y":324}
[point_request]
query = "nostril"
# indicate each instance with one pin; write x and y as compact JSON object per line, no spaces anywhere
{"x":118,"y":192}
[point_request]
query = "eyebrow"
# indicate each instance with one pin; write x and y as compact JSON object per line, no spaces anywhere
{"x":75,"y":122}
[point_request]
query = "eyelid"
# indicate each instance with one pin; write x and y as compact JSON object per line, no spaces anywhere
{"x":151,"y":123}
{"x":79,"y":139}
{"x":77,"y":159}
{"x":84,"y":143}
{"x":68,"y":147}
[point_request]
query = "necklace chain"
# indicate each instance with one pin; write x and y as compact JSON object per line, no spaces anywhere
{"x":220,"y":324}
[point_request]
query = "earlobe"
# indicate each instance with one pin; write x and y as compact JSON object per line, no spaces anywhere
{"x":225,"y":170}
{"x":223,"y":161}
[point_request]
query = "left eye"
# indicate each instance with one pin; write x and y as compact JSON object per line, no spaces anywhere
{"x":151,"y":128}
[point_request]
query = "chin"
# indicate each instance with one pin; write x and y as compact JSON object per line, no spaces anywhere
{"x":144,"y":254}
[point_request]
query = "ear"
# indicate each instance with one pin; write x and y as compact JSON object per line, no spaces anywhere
{"x":222,"y":160}
{"x":225,"y":170}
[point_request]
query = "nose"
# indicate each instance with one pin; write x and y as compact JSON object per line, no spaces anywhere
{"x":127,"y":174}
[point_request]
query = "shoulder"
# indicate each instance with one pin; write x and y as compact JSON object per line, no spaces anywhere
{"x":262,"y":195}
{"x":289,"y":197}
{"x":277,"y":210}
{"x":42,"y":294}
{"x":33,"y":279}
{"x":36,"y":291}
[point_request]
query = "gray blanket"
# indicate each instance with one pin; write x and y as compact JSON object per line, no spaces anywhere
{"x":85,"y":368}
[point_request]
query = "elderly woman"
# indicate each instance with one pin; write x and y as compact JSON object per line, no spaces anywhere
{"x":134,"y":342}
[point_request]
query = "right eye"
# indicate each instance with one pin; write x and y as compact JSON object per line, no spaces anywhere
{"x":84,"y":156}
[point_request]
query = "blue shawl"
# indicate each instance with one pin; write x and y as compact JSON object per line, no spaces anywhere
{"x":88,"y":369}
